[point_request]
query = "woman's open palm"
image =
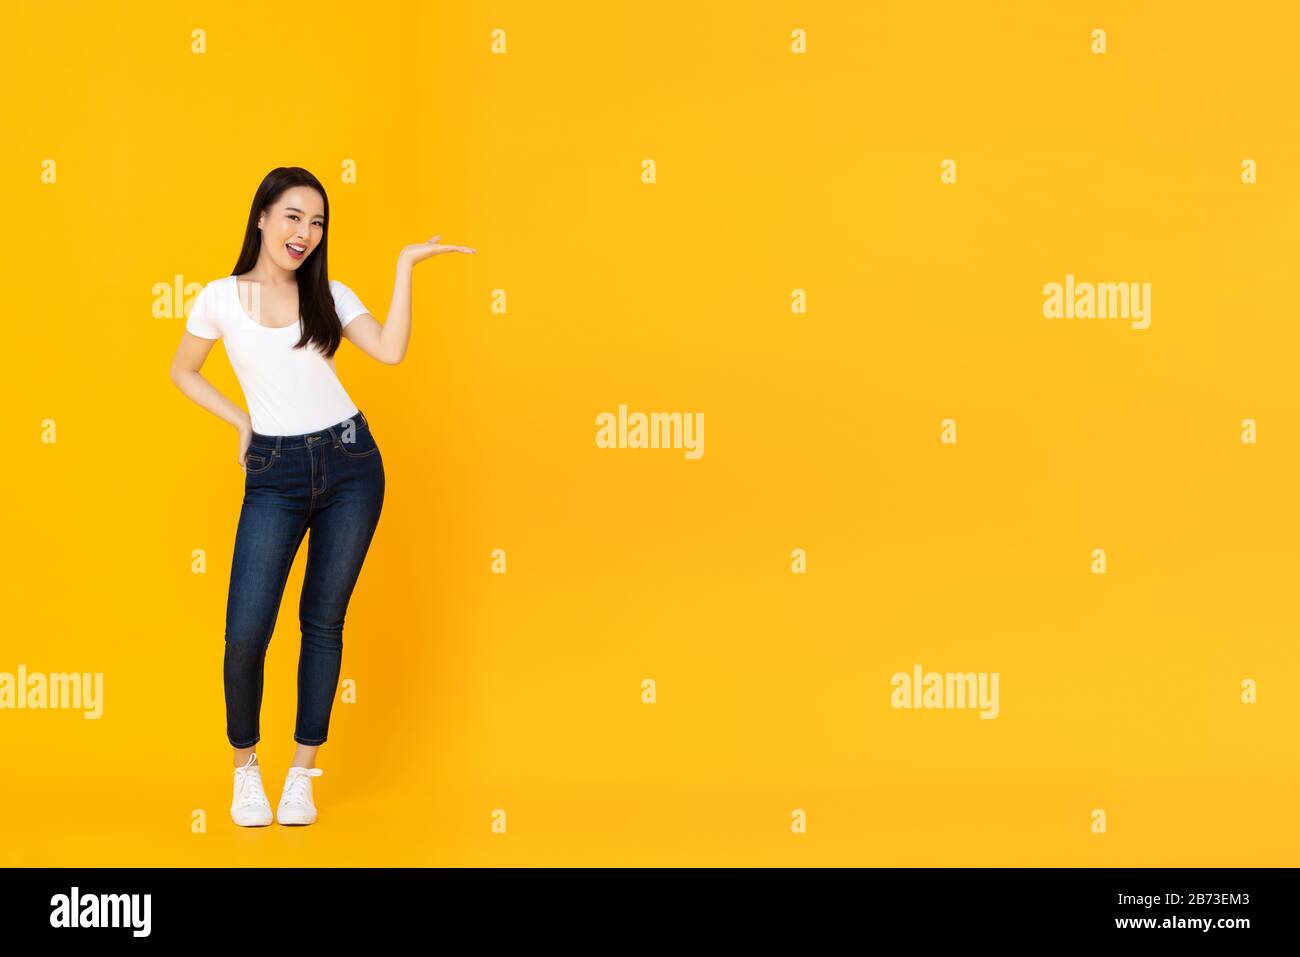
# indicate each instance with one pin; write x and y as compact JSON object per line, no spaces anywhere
{"x":417,"y":252}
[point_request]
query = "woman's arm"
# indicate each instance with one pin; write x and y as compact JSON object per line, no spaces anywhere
{"x":388,"y":342}
{"x":190,"y":356}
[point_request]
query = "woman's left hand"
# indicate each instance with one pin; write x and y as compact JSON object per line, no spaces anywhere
{"x":418,"y":252}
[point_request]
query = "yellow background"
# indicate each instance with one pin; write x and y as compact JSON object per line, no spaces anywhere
{"x":775,"y":172}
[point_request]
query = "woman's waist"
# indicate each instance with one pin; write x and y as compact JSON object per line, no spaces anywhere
{"x":345,"y":430}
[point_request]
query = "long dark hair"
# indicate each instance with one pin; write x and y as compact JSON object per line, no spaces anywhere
{"x":320,"y":320}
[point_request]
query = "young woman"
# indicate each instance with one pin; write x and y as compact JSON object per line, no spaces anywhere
{"x":309,"y":456}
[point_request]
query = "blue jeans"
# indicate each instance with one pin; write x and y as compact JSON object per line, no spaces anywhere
{"x":332,"y":482}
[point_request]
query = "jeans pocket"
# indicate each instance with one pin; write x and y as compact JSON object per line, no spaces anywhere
{"x":362,"y":445}
{"x":255,"y":462}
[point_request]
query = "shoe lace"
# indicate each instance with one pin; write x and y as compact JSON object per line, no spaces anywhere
{"x":298,"y":784}
{"x":248,"y":779}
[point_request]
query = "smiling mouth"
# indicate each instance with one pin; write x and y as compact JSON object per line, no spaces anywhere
{"x":297,"y":252}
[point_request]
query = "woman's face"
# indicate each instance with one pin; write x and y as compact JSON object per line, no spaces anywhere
{"x":295,"y":223}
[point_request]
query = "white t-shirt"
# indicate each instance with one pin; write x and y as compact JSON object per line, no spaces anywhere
{"x":289,"y":391}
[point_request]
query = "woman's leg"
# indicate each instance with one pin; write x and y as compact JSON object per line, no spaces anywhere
{"x":266,"y":542}
{"x":341,"y":532}
{"x":304,"y":756}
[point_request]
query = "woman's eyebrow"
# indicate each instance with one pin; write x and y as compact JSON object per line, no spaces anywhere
{"x":295,"y":209}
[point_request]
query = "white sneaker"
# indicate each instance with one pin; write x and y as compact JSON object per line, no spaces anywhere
{"x":296,"y":805}
{"x":250,"y":808}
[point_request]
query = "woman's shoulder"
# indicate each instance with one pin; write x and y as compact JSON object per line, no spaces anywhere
{"x":219,"y":283}
{"x":219,"y":295}
{"x":342,"y":293}
{"x":210,"y":307}
{"x":347,"y":303}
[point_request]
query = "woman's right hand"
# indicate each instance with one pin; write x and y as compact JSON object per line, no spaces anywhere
{"x":245,"y":438}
